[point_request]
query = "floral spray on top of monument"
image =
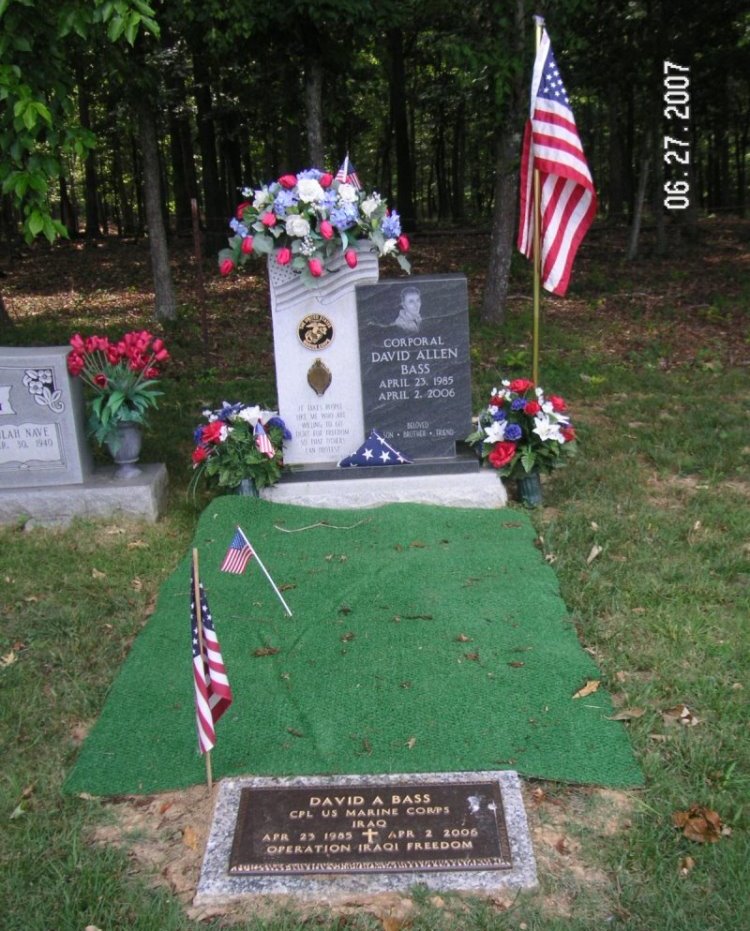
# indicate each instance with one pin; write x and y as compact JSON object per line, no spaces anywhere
{"x":307,"y":219}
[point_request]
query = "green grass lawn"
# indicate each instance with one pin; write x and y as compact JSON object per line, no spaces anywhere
{"x":655,"y":367}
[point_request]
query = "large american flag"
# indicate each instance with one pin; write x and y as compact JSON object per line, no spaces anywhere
{"x":213,"y":694}
{"x":238,"y":554}
{"x":568,"y":201}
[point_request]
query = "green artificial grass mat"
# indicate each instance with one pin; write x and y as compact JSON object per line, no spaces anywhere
{"x":424,"y":639}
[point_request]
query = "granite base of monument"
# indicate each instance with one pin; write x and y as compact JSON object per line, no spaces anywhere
{"x":100,"y":495}
{"x":330,"y":839}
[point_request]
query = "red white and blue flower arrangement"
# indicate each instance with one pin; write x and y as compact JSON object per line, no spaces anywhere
{"x":237,"y":442}
{"x":522,"y":431}
{"x":308,"y":218}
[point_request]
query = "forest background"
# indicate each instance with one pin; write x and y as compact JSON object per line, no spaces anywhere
{"x":116,"y":114}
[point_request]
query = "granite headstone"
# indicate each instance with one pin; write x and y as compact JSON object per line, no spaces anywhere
{"x":414,"y":357}
{"x":42,"y":437}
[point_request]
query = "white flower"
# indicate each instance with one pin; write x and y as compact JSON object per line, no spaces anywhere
{"x":250,"y":415}
{"x":297,"y":225}
{"x":309,"y":190}
{"x":388,"y":246}
{"x":262,"y":198}
{"x":495,"y":432}
{"x":348,"y":193}
{"x":505,"y":383}
{"x":545,"y":429}
{"x":370,"y":205}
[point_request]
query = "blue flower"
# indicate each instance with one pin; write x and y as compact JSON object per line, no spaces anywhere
{"x":345,"y":216}
{"x":283,"y":201}
{"x":313,"y":173}
{"x":278,"y":422}
{"x":329,"y":200}
{"x":392,"y":225}
{"x":228,"y":410}
{"x":517,"y":404}
{"x":513,"y":432}
{"x":198,"y":434}
{"x":239,"y":227}
{"x":499,"y":415}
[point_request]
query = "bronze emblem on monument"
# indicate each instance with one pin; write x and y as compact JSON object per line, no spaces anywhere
{"x":319,"y":377}
{"x":315,"y":332}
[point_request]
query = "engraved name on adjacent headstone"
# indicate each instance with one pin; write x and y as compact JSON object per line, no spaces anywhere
{"x":414,"y":353}
{"x":42,"y":440}
{"x":372,"y":828}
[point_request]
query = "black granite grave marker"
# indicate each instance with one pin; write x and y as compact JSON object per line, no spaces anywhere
{"x":414,"y":356}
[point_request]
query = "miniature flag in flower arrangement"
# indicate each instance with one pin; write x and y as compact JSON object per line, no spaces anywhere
{"x":213,"y":694}
{"x":348,"y":173}
{"x":552,"y":147}
{"x":262,"y":441}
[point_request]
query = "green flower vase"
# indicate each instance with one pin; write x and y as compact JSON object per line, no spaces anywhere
{"x":530,"y":490}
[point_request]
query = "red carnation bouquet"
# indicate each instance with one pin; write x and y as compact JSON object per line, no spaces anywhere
{"x":122,"y":377}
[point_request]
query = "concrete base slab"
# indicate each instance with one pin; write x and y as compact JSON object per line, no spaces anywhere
{"x":102,"y":495}
{"x":479,"y":489}
{"x":217,"y":886}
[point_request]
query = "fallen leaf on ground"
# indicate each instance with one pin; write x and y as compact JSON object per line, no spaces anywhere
{"x":680,"y":714}
{"x":411,"y":742}
{"x":136,"y":584}
{"x":700,"y":824}
{"x":395,"y":924}
{"x":266,"y":651}
{"x":628,"y":714}
{"x":595,"y":551}
{"x":190,"y":838}
{"x":516,"y":664}
{"x":538,"y":795}
{"x":588,"y":689}
{"x":97,"y":574}
{"x":417,"y":544}
{"x":8,"y":659}
{"x":562,"y":846}
{"x":462,"y":638}
{"x":686,"y":864}
{"x":138,"y":545}
{"x":294,"y":732}
{"x":472,"y":656}
{"x":347,"y":636}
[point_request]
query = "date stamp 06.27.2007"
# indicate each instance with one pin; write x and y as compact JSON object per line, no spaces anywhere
{"x":677,"y":140}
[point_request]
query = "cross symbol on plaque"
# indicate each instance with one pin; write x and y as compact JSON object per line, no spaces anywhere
{"x":369,"y":834}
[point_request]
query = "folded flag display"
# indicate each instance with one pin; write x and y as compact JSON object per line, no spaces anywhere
{"x":375,"y":451}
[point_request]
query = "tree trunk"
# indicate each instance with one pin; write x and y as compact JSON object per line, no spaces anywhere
{"x":165,"y":307}
{"x":124,"y":198}
{"x":404,"y":172}
{"x":458,"y":162}
{"x":213,"y":202}
{"x":635,"y":228}
{"x":6,"y":321}
{"x":90,"y":180}
{"x":67,"y":213}
{"x":503,"y":226}
{"x":314,"y":110}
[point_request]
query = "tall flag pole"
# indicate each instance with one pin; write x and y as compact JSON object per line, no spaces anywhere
{"x":557,"y":197}
{"x":213,"y":694}
{"x":239,"y":554}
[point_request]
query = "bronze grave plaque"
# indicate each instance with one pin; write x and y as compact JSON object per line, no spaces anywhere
{"x":384,"y":827}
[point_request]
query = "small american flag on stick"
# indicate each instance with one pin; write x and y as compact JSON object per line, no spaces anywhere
{"x":238,"y":554}
{"x":348,"y":173}
{"x":213,"y":694}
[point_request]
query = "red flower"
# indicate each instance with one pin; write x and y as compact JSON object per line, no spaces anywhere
{"x":403,"y":243}
{"x":316,"y":267}
{"x":558,"y":404}
{"x":113,"y":355}
{"x":76,"y":341}
{"x":247,"y":245}
{"x":157,"y":345}
{"x":326,"y":230}
{"x":200,"y":454}
{"x":501,"y":454}
{"x":351,"y":258}
{"x":568,"y":433}
{"x":268,"y":218}
{"x":211,"y":433}
{"x":241,"y":208}
{"x":75,"y":364}
{"x":326,"y":180}
{"x":532,"y":408}
{"x":161,"y":356}
{"x":497,"y":401}
{"x":100,"y":380}
{"x":284,"y":256}
{"x":288,"y":181}
{"x":226,"y":267}
{"x":521,"y":384}
{"x":152,"y":372}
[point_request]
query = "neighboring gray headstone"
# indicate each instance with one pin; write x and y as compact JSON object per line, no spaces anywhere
{"x":42,"y":436}
{"x":471,"y":837}
{"x":414,"y":356}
